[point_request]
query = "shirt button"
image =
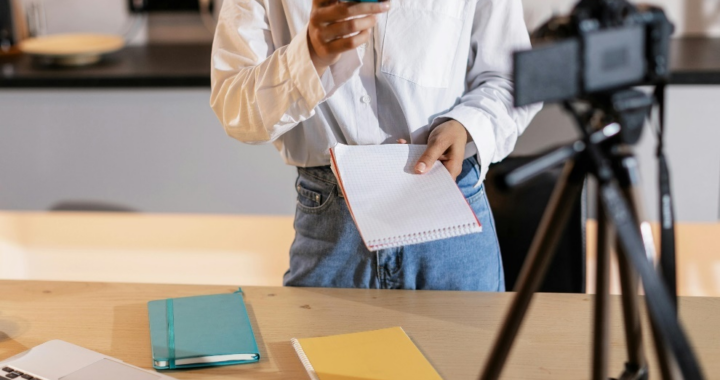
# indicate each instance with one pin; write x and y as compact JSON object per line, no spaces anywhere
{"x":365,"y":99}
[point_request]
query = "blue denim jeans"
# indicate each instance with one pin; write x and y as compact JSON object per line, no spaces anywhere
{"x":329,"y":252}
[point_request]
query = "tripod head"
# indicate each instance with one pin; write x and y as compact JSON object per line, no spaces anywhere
{"x":606,"y":121}
{"x":627,"y":108}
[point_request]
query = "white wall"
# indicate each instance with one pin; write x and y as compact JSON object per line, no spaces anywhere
{"x":692,"y":17}
{"x":148,"y":150}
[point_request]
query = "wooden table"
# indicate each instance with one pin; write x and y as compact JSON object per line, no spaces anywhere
{"x":454,"y":330}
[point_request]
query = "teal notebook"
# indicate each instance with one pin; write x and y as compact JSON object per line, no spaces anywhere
{"x":201,"y":331}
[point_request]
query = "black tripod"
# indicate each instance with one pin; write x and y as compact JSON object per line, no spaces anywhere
{"x":610,"y":124}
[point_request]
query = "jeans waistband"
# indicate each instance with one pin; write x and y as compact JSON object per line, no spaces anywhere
{"x":324,"y":173}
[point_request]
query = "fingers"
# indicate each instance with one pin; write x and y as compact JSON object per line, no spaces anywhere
{"x":334,"y":11}
{"x":336,"y":27}
{"x":347,"y":27}
{"x":347,"y":43}
{"x":435,"y":149}
{"x":442,"y":149}
{"x":402,"y":141}
{"x":453,"y":164}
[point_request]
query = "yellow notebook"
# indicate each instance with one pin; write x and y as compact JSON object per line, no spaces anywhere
{"x":386,"y":354}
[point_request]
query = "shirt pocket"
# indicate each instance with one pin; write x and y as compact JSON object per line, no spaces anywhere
{"x":421,"y":40}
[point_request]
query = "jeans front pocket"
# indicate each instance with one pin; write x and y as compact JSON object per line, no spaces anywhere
{"x":314,"y":195}
{"x":468,"y":180}
{"x":421,"y":39}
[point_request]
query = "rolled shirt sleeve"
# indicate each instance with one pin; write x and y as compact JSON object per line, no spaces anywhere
{"x":259,"y":92}
{"x":486,"y":109}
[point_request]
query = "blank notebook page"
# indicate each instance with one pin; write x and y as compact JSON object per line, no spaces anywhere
{"x":391,"y":205}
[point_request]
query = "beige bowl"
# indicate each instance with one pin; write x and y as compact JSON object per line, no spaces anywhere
{"x":72,"y":49}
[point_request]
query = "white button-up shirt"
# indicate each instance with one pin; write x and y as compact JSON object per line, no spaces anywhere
{"x":427,"y":61}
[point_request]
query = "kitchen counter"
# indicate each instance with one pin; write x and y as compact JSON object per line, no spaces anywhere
{"x":694,"y":61}
{"x":132,"y":67}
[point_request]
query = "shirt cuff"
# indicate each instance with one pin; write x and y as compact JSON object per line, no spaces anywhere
{"x":302,"y":70}
{"x":480,"y":129}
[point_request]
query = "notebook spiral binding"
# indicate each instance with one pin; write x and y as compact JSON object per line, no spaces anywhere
{"x":304,"y":359}
{"x":425,"y":236}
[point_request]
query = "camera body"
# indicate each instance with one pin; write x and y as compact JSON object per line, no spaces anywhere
{"x":602,"y":46}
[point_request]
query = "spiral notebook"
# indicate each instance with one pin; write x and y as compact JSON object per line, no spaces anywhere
{"x":391,"y":205}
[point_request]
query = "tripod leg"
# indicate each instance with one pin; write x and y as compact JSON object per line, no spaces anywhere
{"x":659,"y":304}
{"x":602,"y":296}
{"x":631,"y":316}
{"x":554,"y":219}
{"x":630,"y":185}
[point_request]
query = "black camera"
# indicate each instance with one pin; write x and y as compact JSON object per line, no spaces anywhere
{"x":601,"y":47}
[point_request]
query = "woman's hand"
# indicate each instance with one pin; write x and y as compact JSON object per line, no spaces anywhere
{"x":336,"y":27}
{"x":447,"y":144}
